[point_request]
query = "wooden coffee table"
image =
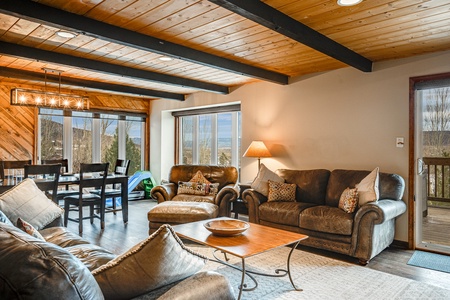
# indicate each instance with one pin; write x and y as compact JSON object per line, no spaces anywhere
{"x":255,"y":240}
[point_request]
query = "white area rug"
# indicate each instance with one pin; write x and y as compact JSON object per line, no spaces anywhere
{"x":321,"y":278}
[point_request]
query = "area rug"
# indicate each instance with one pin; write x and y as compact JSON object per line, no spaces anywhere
{"x":321,"y":278}
{"x":430,"y":260}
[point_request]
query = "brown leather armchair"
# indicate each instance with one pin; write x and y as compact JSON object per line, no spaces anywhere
{"x":226,"y":177}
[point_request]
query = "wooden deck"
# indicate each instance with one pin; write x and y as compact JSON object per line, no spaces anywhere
{"x":436,"y":226}
{"x":118,"y":238}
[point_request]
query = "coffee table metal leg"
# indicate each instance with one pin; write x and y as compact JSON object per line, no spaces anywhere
{"x":289,"y":267}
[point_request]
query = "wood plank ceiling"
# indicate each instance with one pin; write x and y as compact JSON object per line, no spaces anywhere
{"x":214,"y":45}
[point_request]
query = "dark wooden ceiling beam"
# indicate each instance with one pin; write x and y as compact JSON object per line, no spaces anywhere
{"x":106,"y":68}
{"x":34,"y":76}
{"x":271,"y":18}
{"x":61,"y":19}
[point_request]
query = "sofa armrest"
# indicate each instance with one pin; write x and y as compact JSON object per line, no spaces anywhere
{"x":164,"y":192}
{"x":374,"y":227}
{"x":202,"y":285}
{"x":253,"y":200}
{"x":384,"y":209}
{"x":224,"y":197}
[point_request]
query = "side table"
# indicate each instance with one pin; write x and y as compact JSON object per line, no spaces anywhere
{"x":239,"y":206}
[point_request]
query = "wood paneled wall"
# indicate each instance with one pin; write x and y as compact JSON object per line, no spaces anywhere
{"x":18,"y":123}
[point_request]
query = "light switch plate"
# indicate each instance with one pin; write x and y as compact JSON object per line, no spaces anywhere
{"x":400,"y":142}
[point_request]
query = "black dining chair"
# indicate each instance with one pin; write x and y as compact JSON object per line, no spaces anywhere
{"x":121,"y":168}
{"x":46,"y":178}
{"x":91,"y":176}
{"x":67,"y":191}
{"x":12,"y":165}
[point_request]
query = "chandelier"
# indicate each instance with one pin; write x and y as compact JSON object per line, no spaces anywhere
{"x":54,"y":100}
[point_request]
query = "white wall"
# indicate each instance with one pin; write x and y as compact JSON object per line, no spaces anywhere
{"x":338,"y":119}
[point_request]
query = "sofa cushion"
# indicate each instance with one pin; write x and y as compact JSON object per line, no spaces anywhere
{"x":199,"y":178}
{"x":286,"y":213}
{"x":28,"y":228}
{"x":4,"y":219}
{"x":92,"y":256}
{"x":159,"y":260}
{"x":368,"y":188}
{"x":349,"y":200}
{"x":311,"y":184}
{"x":62,"y":237}
{"x":327,"y":219}
{"x":195,"y":188}
{"x":28,"y":202}
{"x":261,"y":182}
{"x":279,"y":191}
{"x":50,"y":272}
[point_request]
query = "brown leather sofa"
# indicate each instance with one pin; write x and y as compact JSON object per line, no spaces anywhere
{"x":362,"y":234}
{"x":226,"y":177}
{"x":60,"y":268}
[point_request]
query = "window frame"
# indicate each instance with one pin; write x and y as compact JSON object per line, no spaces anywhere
{"x":235,"y":109}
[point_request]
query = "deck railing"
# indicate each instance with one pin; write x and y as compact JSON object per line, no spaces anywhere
{"x":438,"y":180}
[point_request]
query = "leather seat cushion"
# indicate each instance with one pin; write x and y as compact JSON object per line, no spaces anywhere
{"x":50,"y":271}
{"x":179,"y":212}
{"x":194,"y":198}
{"x":92,"y":256}
{"x":286,"y":213}
{"x":62,"y":237}
{"x":327,"y":219}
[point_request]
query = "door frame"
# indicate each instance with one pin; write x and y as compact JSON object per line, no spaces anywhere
{"x":414,"y":82}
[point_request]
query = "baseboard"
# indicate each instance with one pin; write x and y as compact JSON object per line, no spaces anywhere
{"x":400,"y":244}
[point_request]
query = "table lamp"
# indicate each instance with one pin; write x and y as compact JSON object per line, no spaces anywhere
{"x":257,"y":149}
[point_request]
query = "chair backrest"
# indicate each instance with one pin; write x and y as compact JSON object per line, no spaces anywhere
{"x":223,"y":175}
{"x":46,"y":177}
{"x":12,"y":165}
{"x":93,"y":175}
{"x":122,"y":166}
{"x":64,"y":163}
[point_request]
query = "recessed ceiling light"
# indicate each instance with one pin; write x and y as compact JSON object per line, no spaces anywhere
{"x":165,"y":58}
{"x":348,"y":2}
{"x":66,"y":34}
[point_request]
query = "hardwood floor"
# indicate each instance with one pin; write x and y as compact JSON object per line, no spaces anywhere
{"x":118,"y":238}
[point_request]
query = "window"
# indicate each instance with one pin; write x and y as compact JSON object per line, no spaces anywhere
{"x":209,"y":136}
{"x":84,"y":137}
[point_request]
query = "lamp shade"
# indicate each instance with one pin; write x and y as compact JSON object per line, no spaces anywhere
{"x":257,"y":149}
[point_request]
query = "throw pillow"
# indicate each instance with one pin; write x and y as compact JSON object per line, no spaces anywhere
{"x":349,"y":200}
{"x":28,"y":228}
{"x":194,"y":188}
{"x":260,"y":184}
{"x":28,"y":202}
{"x":199,"y":178}
{"x":368,"y":188}
{"x":4,"y":219}
{"x":159,"y":260}
{"x":279,"y":191}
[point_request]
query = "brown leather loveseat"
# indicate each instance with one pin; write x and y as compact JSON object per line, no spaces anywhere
{"x":362,"y":234}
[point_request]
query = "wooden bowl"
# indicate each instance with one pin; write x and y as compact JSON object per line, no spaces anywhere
{"x":226,"y":227}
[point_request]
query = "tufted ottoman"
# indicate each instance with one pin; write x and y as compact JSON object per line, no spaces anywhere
{"x":180,"y":212}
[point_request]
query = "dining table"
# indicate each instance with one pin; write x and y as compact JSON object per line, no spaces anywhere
{"x":73,"y":179}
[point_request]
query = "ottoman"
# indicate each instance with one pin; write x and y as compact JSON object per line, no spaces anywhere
{"x":179,"y":212}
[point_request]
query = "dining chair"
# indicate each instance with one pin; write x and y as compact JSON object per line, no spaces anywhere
{"x":12,"y":165}
{"x":46,"y":178}
{"x":121,"y":168}
{"x":67,"y":191}
{"x":91,"y":176}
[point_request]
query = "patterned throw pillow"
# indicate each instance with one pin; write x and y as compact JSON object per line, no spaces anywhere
{"x":349,"y":200}
{"x":28,"y":228}
{"x":279,"y":191}
{"x":194,"y":188}
{"x":199,"y":178}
